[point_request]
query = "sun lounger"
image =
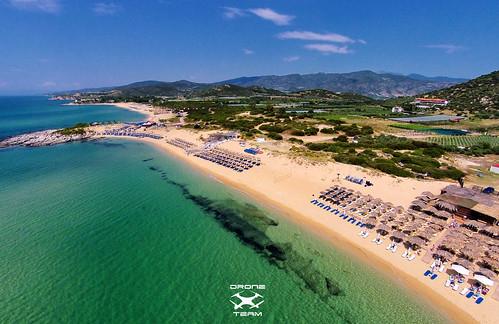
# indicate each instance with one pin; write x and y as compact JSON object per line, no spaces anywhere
{"x":479,"y":300}
{"x":442,"y":268}
{"x":470,"y":294}
{"x":455,"y":287}
{"x":434,"y":276}
{"x":405,"y":254}
{"x":447,"y":283}
{"x":412,"y":257}
{"x":394,"y":248}
{"x":427,"y":273}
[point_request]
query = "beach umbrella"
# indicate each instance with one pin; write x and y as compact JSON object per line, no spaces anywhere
{"x":411,"y":228}
{"x":464,"y":263}
{"x":460,"y":269}
{"x":443,"y":214}
{"x":438,"y":221}
{"x":494,"y":263}
{"x":471,"y":253}
{"x":475,"y":224}
{"x":487,"y":272}
{"x":425,"y":235}
{"x":414,"y":240}
{"x":444,"y":254}
{"x":398,"y":235}
{"x":384,"y":228}
{"x":370,"y":224}
{"x":427,"y":194}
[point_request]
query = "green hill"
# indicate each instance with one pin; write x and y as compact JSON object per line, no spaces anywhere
{"x":479,"y":96}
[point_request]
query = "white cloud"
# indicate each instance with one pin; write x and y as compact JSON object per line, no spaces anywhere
{"x":49,"y":6}
{"x":231,"y":12}
{"x":48,"y":84}
{"x":248,"y":51}
{"x":311,"y":36}
{"x":106,"y":8}
{"x":447,"y":48}
{"x":291,"y":58}
{"x":271,"y":15}
{"x":328,"y":48}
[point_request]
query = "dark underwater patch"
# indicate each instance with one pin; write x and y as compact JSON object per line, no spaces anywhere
{"x":147,"y":160}
{"x":250,"y":224}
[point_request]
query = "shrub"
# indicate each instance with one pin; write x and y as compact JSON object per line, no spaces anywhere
{"x":341,"y":138}
{"x":295,"y":140}
{"x":328,"y":131}
{"x":297,"y":132}
{"x":275,"y":136}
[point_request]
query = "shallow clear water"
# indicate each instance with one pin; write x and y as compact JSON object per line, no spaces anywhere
{"x":118,"y":232}
{"x":115,"y":231}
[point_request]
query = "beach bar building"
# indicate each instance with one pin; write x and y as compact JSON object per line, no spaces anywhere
{"x":472,"y":203}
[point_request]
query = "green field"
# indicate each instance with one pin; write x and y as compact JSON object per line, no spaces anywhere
{"x":464,"y":141}
{"x":414,"y":127}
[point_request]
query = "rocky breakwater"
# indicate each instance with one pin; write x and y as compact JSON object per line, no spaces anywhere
{"x":44,"y":138}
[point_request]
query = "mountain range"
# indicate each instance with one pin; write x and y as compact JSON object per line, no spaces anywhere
{"x":366,"y":83}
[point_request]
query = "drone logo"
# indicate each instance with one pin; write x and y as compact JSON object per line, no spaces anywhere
{"x":247,"y":301}
{"x":246,"y":305}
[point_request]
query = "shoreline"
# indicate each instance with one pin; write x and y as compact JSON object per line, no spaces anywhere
{"x":142,"y":109}
{"x":363,"y":254}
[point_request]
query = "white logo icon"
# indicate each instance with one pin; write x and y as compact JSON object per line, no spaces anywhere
{"x":247,"y":301}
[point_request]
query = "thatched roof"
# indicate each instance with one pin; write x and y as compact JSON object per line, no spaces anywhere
{"x":398,"y":235}
{"x":416,"y":241}
{"x":446,"y":205}
{"x":488,"y":273}
{"x":463,"y":262}
{"x":444,"y":254}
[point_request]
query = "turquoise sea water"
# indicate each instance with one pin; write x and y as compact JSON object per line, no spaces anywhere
{"x":118,"y":232}
{"x":28,"y":114}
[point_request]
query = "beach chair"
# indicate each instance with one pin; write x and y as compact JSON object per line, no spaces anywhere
{"x":405,"y":254}
{"x":434,"y":276}
{"x":455,"y":287}
{"x":412,"y":257}
{"x":447,"y":283}
{"x":469,"y":294}
{"x":427,"y":273}
{"x":394,"y":249}
{"x":479,"y":300}
{"x":442,"y":268}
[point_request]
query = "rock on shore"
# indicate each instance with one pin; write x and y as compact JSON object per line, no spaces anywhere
{"x":42,"y":138}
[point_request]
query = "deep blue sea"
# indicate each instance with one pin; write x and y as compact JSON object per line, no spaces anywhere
{"x":28,"y":114}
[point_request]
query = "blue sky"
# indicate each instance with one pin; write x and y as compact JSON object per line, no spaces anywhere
{"x":50,"y":45}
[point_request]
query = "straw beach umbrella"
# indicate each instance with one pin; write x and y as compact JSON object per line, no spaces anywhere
{"x":384,"y":228}
{"x":444,"y":254}
{"x":414,"y":240}
{"x":398,"y":235}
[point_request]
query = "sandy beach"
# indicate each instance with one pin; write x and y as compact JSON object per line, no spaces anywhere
{"x":288,"y":185}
